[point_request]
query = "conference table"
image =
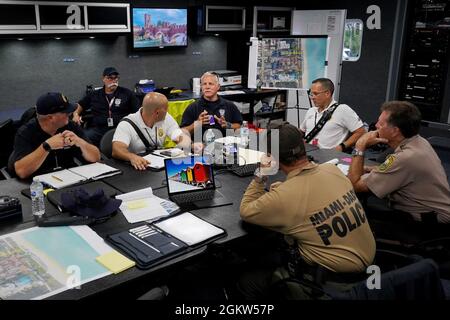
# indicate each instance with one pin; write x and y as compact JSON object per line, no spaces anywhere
{"x":226,"y":217}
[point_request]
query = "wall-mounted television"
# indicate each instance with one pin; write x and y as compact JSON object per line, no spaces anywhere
{"x":159,"y":28}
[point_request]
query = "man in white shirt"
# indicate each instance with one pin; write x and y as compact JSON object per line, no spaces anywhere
{"x":155,"y":124}
{"x":343,"y":129}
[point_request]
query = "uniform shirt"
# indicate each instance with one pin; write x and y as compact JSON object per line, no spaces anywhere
{"x":317,"y":206}
{"x":335,"y":131}
{"x":232,"y":113}
{"x":30,"y":136}
{"x":155,"y":136}
{"x":123,"y":102}
{"x":413,"y":179}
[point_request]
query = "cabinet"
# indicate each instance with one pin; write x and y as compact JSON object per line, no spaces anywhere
{"x":39,"y":17}
{"x":426,"y":60}
{"x":272,"y":20}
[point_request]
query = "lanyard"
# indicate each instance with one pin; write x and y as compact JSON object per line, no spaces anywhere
{"x":110,"y":103}
{"x":156,"y":137}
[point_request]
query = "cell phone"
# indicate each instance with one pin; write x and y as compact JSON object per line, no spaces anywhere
{"x":166,"y":153}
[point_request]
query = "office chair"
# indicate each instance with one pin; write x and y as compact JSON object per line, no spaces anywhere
{"x":403,"y":277}
{"x":106,"y":143}
{"x":7,"y":132}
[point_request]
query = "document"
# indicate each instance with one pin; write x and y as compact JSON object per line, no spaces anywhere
{"x":142,"y":205}
{"x":189,"y":228}
{"x":156,"y":162}
{"x":68,"y":177}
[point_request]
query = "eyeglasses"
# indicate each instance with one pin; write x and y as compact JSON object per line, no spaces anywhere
{"x":112,"y":78}
{"x":315,"y":94}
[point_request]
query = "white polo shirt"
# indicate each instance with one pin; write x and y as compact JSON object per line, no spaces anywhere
{"x":343,"y":121}
{"x":126,"y":134}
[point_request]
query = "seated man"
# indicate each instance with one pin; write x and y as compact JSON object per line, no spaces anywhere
{"x":315,"y":208}
{"x":50,"y":141}
{"x":335,"y":132}
{"x":412,"y":177}
{"x":108,"y":105}
{"x":211,"y":111}
{"x":155,"y":124}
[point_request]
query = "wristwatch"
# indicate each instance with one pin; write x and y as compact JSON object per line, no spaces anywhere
{"x":357,"y":152}
{"x":46,"y":146}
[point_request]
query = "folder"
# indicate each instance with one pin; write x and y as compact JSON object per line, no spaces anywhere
{"x":154,"y":243}
{"x":71,"y":176}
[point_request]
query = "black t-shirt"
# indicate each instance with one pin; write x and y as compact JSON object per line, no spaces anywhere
{"x":30,"y":136}
{"x":232,"y":113}
{"x":123,"y":102}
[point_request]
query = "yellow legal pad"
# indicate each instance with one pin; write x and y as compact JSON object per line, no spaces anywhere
{"x":115,"y":261}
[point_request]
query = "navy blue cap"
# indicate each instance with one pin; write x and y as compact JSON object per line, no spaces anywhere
{"x":94,"y":205}
{"x":54,"y":102}
{"x":110,"y":71}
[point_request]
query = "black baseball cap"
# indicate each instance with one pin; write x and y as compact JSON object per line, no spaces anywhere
{"x":54,"y":102}
{"x":290,"y":140}
{"x":110,"y":71}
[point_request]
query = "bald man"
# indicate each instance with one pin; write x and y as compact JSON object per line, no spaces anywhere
{"x":155,"y":124}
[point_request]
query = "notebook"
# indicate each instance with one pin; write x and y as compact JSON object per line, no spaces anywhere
{"x":71,"y":176}
{"x":154,"y":243}
{"x":190,"y":183}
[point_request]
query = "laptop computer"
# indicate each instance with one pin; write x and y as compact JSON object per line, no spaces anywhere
{"x":190,"y":183}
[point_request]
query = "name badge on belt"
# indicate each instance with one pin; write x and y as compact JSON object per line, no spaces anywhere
{"x":110,"y":122}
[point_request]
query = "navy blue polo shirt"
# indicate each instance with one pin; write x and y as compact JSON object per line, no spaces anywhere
{"x":30,"y":136}
{"x":123,"y":103}
{"x":232,"y":113}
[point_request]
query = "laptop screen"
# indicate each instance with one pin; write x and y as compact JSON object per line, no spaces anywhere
{"x":188,"y":174}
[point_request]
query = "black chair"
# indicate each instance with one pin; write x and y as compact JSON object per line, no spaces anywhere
{"x":401,"y":277}
{"x":106,"y":143}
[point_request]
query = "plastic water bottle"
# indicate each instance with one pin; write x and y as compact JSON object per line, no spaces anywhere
{"x":37,"y":198}
{"x":209,"y":136}
{"x":244,"y":131}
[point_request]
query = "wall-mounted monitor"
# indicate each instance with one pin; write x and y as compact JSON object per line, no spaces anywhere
{"x":159,"y":28}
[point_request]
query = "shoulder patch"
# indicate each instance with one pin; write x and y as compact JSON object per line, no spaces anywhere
{"x":387,"y":163}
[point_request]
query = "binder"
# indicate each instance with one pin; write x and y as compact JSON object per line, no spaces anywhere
{"x":154,"y":243}
{"x":71,"y":176}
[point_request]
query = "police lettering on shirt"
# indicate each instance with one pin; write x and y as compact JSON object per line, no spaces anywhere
{"x":334,"y":219}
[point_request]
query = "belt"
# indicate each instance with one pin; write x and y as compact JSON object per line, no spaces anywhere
{"x":321,"y":274}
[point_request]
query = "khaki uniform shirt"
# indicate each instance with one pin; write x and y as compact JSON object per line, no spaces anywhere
{"x":413,"y":179}
{"x":317,"y":206}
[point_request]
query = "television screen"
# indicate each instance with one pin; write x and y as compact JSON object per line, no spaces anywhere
{"x":158,"y":28}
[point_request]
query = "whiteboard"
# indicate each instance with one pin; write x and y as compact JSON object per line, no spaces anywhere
{"x":287,"y":62}
{"x":318,"y":22}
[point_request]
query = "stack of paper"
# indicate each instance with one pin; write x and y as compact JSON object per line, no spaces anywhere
{"x":142,"y":205}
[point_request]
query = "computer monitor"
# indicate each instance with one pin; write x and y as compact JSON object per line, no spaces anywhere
{"x":159,"y":28}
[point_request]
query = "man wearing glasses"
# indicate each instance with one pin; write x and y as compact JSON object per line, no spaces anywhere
{"x":108,"y":105}
{"x":343,"y":127}
{"x":50,"y":141}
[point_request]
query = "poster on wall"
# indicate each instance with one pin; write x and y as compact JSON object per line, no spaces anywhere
{"x":288,"y":62}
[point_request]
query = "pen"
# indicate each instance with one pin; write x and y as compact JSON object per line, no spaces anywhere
{"x":56,"y":178}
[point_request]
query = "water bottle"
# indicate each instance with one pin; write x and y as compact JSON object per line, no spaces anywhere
{"x":37,"y":198}
{"x":209,"y":137}
{"x":244,"y":134}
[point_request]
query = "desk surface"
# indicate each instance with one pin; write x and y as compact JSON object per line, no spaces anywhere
{"x":226,"y":217}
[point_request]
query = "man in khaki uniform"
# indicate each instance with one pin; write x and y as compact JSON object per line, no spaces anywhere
{"x":316,"y":206}
{"x":412,"y":177}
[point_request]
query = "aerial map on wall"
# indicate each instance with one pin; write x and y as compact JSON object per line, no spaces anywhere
{"x":39,"y":262}
{"x":290,"y":63}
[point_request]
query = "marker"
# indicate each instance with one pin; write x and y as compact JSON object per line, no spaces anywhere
{"x":56,"y":178}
